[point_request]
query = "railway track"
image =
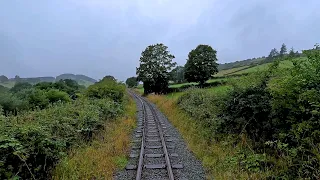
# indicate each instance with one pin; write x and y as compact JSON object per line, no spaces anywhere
{"x":152,"y":155}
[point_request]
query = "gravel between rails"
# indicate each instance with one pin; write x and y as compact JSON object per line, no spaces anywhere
{"x":192,"y":167}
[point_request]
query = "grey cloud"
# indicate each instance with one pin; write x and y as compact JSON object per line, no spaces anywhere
{"x":99,"y":37}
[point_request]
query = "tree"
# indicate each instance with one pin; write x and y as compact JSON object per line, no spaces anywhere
{"x":292,"y":53}
{"x":201,"y":64}
{"x":20,"y":86}
{"x":283,"y":50}
{"x":3,"y":78}
{"x":109,"y":77}
{"x":177,"y":74}
{"x":17,"y":78}
{"x":272,"y":55}
{"x":155,"y":64}
{"x":132,"y":82}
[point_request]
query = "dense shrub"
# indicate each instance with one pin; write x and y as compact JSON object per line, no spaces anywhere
{"x":57,"y":96}
{"x":20,"y":86}
{"x":49,"y":123}
{"x":278,"y":111}
{"x":11,"y":104}
{"x":107,"y":88}
{"x":32,"y":143}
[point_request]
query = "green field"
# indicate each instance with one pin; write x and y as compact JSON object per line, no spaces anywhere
{"x":229,"y":71}
{"x":263,"y":67}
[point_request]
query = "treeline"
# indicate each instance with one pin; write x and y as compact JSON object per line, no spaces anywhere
{"x":157,"y":68}
{"x":24,"y":96}
{"x":274,"y":53}
{"x":272,"y":117}
{"x":40,"y":123}
{"x":35,"y":80}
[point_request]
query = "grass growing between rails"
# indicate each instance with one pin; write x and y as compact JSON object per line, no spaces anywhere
{"x":217,"y":157}
{"x":107,"y":153}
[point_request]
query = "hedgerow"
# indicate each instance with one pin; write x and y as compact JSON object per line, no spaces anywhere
{"x":278,"y":114}
{"x":32,"y":142}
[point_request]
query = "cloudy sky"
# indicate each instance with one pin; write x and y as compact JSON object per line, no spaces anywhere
{"x":101,"y":37}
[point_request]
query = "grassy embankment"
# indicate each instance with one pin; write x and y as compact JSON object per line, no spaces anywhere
{"x":233,"y":128}
{"x":107,"y":153}
{"x":214,"y":155}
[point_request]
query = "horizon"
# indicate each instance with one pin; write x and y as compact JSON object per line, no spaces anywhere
{"x":97,"y":38}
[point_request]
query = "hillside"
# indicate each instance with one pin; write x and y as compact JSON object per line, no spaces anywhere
{"x":81,"y":79}
{"x":252,"y":68}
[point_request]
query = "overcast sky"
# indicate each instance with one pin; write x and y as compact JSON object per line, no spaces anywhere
{"x":102,"y":37}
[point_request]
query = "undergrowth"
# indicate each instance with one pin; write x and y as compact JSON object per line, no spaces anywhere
{"x":107,"y":152}
{"x":220,"y":158}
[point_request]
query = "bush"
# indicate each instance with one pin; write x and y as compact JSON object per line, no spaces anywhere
{"x":11,"y":104}
{"x":278,"y":111}
{"x":20,"y":86}
{"x":57,"y":96}
{"x":31,"y":144}
{"x":107,"y":88}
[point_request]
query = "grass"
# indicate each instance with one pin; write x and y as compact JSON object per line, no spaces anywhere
{"x":214,"y":155}
{"x":263,"y":67}
{"x":229,"y":71}
{"x":179,"y":85}
{"x":107,"y":153}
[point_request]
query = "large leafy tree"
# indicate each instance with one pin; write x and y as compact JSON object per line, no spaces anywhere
{"x":201,"y":64}
{"x":155,"y":64}
{"x":132,"y":82}
{"x":177,"y":74}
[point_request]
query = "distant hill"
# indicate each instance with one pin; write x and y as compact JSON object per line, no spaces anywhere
{"x":81,"y":79}
{"x":77,"y":77}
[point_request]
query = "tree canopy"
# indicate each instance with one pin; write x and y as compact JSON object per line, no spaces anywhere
{"x":283,"y":50}
{"x":132,"y":82}
{"x":177,"y":74}
{"x":155,"y":64}
{"x":201,"y":64}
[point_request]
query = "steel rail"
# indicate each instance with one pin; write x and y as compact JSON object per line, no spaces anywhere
{"x":165,"y":150}
{"x":140,"y":165}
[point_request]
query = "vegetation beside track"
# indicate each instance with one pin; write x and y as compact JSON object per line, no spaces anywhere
{"x":44,"y":123}
{"x":105,"y":154}
{"x":263,"y":125}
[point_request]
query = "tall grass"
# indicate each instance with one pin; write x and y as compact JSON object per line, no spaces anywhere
{"x":107,"y":153}
{"x":217,"y":157}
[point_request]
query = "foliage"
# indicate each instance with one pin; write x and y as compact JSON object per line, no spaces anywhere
{"x":20,"y":86}
{"x":155,"y":64}
{"x":57,"y":96}
{"x":283,"y":50}
{"x":105,"y":154}
{"x":278,"y":113}
{"x":11,"y":104}
{"x":106,"y":88}
{"x":132,"y":82}
{"x":3,"y":89}
{"x":177,"y":74}
{"x":110,"y":77}
{"x":201,"y":64}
